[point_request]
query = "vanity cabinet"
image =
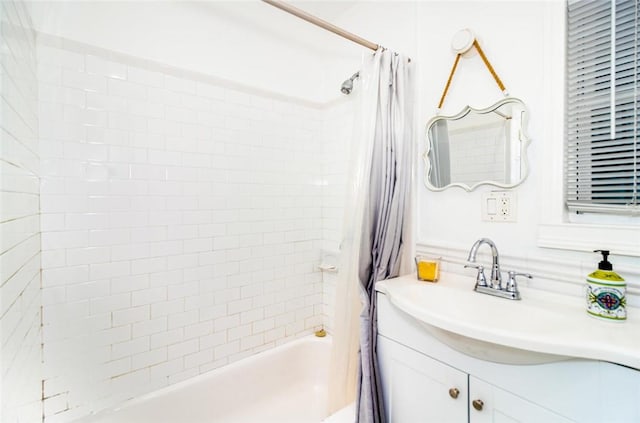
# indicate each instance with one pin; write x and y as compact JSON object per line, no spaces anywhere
{"x":418,"y":388}
{"x":424,"y":380}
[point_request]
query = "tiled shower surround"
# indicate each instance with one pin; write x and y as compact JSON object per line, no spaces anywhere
{"x":182,"y":224}
{"x":20,"y":296}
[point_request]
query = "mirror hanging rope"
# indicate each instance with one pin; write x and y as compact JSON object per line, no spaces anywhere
{"x":463,"y":49}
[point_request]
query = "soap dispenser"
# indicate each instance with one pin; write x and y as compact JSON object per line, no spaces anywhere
{"x":606,"y":292}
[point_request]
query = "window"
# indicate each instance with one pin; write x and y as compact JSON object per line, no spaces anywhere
{"x":602,"y":157}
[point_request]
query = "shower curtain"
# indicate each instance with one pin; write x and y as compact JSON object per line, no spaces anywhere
{"x":377,"y":242}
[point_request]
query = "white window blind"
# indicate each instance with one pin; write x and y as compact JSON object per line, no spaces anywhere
{"x":602,"y":153}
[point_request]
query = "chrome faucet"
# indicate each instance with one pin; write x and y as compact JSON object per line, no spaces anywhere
{"x":496,"y":277}
{"x":494,"y":285}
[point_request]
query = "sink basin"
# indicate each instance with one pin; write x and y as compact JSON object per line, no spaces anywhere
{"x":543,"y":327}
{"x":489,"y":351}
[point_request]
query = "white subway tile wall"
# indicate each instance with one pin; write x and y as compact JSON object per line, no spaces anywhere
{"x":338,"y":130}
{"x":182,"y":226}
{"x":20,"y":295}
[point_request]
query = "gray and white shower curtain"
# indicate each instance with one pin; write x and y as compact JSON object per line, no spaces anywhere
{"x":377,"y":231}
{"x":387,"y":233}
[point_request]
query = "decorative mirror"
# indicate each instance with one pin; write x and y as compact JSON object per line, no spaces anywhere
{"x":477,"y":147}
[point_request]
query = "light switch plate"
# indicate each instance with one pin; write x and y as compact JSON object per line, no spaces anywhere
{"x":499,"y":206}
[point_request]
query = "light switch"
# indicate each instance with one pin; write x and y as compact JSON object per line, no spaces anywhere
{"x":492,"y":206}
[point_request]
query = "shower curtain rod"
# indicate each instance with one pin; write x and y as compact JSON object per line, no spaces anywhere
{"x":321,"y":23}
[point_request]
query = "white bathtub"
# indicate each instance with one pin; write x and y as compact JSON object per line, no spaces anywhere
{"x":285,"y":384}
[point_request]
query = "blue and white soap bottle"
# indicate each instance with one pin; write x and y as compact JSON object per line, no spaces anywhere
{"x":606,"y":292}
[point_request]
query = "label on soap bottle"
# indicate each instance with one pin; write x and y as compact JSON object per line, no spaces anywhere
{"x":606,"y":300}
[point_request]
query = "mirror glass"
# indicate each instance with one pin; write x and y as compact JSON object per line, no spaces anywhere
{"x":477,"y":147}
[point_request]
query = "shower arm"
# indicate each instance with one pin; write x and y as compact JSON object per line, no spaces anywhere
{"x":322,"y":23}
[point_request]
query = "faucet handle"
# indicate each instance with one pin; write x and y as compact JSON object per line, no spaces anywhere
{"x":512,"y":285}
{"x":481,"y":279}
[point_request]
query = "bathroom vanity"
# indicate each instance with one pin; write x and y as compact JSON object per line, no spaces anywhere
{"x":448,"y":354}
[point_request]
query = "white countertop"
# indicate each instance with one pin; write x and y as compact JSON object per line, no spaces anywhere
{"x":541,"y":322}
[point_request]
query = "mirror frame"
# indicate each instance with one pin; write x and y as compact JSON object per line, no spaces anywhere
{"x":524,"y":144}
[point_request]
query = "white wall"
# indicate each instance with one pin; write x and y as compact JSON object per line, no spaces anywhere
{"x":247,"y":42}
{"x":181,"y":225}
{"x":511,"y":36}
{"x":20,"y":297}
{"x":185,"y":198}
{"x":523,"y":40}
{"x":338,"y":129}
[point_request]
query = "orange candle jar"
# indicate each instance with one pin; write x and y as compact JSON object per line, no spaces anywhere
{"x":428,"y":268}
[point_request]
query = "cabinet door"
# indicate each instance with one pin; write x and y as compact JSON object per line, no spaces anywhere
{"x":419,"y":389}
{"x":499,"y":406}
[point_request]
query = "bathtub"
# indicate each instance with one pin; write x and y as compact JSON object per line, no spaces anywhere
{"x":284,"y":384}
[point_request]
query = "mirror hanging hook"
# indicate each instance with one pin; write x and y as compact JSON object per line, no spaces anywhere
{"x":463,"y":41}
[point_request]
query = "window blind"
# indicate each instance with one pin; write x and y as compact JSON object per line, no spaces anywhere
{"x":602,"y":150}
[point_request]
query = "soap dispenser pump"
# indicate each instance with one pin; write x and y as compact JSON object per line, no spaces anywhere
{"x":606,"y":291}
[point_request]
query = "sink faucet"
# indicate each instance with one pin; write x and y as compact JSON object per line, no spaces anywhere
{"x":496,"y":277}
{"x":494,"y":286}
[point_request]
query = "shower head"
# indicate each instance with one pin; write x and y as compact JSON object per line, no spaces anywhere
{"x":347,"y":86}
